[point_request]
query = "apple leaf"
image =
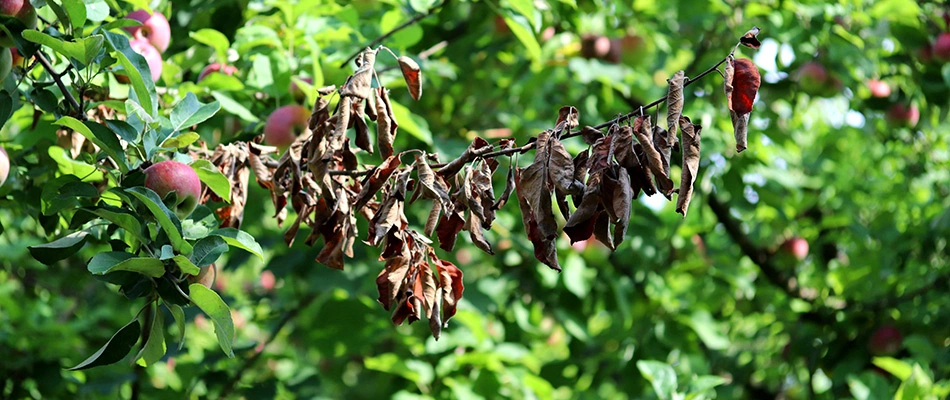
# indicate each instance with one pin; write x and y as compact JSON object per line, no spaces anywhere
{"x":136,"y":68}
{"x":209,"y":302}
{"x":179,"y":314}
{"x":213,"y":178}
{"x":189,"y":111}
{"x":661,"y":375}
{"x":104,"y":263}
{"x":76,"y":11}
{"x":216,"y":40}
{"x":124,"y":219}
{"x":166,"y":218}
{"x":749,"y":38}
{"x":232,"y":106}
{"x":83,"y":50}
{"x":208,"y":250}
{"x":115,"y":349}
{"x":412,"y":75}
{"x":154,"y":348}
{"x":59,"y":249}
{"x":240,"y":239}
{"x":745,"y":84}
{"x":185,"y":265}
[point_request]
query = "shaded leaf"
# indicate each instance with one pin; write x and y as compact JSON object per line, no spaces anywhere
{"x":154,"y":348}
{"x":212,"y":305}
{"x":59,"y":249}
{"x":104,"y":263}
{"x":115,"y":349}
{"x":411,"y":73}
{"x":590,"y":135}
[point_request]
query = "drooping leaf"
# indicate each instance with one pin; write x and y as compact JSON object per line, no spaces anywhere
{"x":154,"y":348}
{"x":451,"y":287}
{"x":567,"y":119}
{"x":59,"y":249}
{"x":643,"y":131}
{"x":115,"y":349}
{"x":544,"y":246}
{"x":413,"y":76}
{"x":212,"y":305}
{"x":662,"y":145}
{"x":509,"y":187}
{"x":740,"y":126}
{"x":360,"y":83}
{"x":749,"y":38}
{"x":691,"y":139}
{"x":674,"y":103}
{"x":385,"y":123}
{"x":590,"y":135}
{"x":358,"y":120}
{"x":432,"y":186}
{"x":375,"y":181}
{"x":552,"y":169}
{"x":390,"y":279}
{"x":104,"y":263}
{"x":745,"y":84}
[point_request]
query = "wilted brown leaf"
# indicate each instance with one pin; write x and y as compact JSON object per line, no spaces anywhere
{"x":509,"y":186}
{"x":643,"y":131}
{"x":478,"y":147}
{"x":432,"y":186}
{"x":661,"y":143}
{"x":674,"y":102}
{"x":360,"y":83}
{"x":544,"y":246}
{"x":740,"y":126}
{"x":450,"y":284}
{"x":413,"y":76}
{"x":691,"y":139}
{"x":590,"y":135}
{"x":567,"y":119}
{"x":749,"y":38}
{"x":386,"y":125}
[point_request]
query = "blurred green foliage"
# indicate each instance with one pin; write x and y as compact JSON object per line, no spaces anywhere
{"x":703,"y":307}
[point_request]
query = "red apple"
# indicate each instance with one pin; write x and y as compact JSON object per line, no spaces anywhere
{"x":4,"y":165}
{"x":797,"y":247}
{"x":594,"y":46}
{"x":206,"y":275}
{"x":815,"y":80}
{"x":217,"y":67}
{"x":6,"y":64}
{"x":941,"y":47}
{"x":154,"y":29}
{"x":879,"y":88}
{"x":886,"y":341}
{"x":284,"y":124}
{"x":296,"y":91}
{"x":17,"y":58}
{"x":152,"y":57}
{"x":901,"y":115}
{"x":268,"y":280}
{"x":172,"y":176}
{"x":21,"y":10}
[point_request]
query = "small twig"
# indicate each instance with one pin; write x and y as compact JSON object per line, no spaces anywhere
{"x":393,"y":31}
{"x":248,"y":362}
{"x":58,"y":78}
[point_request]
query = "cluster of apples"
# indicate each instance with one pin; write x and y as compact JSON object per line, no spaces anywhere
{"x":150,"y":39}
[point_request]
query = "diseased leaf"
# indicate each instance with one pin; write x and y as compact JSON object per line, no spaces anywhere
{"x":728,"y":74}
{"x":544,"y":246}
{"x":360,"y":83}
{"x":385,"y":123}
{"x":450,"y":224}
{"x":375,"y":181}
{"x":602,"y":231}
{"x":433,"y":219}
{"x":749,"y":38}
{"x":411,"y":73}
{"x":358,"y":120}
{"x":590,"y":135}
{"x":432,"y":186}
{"x":450,"y":285}
{"x":478,"y":147}
{"x":740,"y":126}
{"x":745,"y":84}
{"x":509,"y":186}
{"x":390,"y":280}
{"x":644,"y":134}
{"x":691,"y":139}
{"x":567,"y":119}
{"x":674,"y":102}
{"x":662,"y":145}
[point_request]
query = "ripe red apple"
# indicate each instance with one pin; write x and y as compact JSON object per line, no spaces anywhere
{"x":879,"y":88}
{"x":815,"y":80}
{"x":217,"y":67}
{"x":901,"y":115}
{"x":21,"y":10}
{"x":6,"y":64}
{"x":284,"y":124}
{"x":172,"y":176}
{"x":797,"y":247}
{"x":296,"y":91}
{"x":941,"y":47}
{"x":886,"y":341}
{"x":268,"y":280}
{"x":154,"y":29}
{"x":206,"y":275}
{"x":152,"y":57}
{"x":4,"y":165}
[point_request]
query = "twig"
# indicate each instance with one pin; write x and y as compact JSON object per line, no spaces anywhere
{"x":393,"y":31}
{"x":58,"y":78}
{"x":248,"y":362}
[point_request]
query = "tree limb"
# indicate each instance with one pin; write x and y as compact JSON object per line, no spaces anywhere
{"x":386,"y":35}
{"x":58,"y":78}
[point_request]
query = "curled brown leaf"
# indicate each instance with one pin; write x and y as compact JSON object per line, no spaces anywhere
{"x":691,"y":139}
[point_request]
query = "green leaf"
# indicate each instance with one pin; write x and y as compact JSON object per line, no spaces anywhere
{"x":233,"y":107}
{"x":167,"y":253}
{"x":661,"y":375}
{"x":154,"y":348}
{"x":701,"y":384}
{"x":181,"y":141}
{"x":104,"y":263}
{"x":179,"y":315}
{"x":411,"y":124}
{"x":209,"y":174}
{"x":59,"y":249}
{"x":708,"y":331}
{"x":240,"y":239}
{"x":165,"y":217}
{"x":208,"y":250}
{"x":115,"y":349}
{"x":209,"y":302}
{"x":121,"y":217}
{"x":189,"y":111}
{"x":523,"y":7}
{"x":83,"y":50}
{"x":102,"y":136}
{"x":76,"y":11}
{"x":216,"y":40}
{"x":898,"y":368}
{"x":68,"y":166}
{"x":65,"y":193}
{"x":525,"y":36}
{"x":136,"y":68}
{"x":185,"y":265}
{"x":97,"y":10}
{"x":59,"y":11}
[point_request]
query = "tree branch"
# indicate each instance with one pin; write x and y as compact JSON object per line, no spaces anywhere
{"x":58,"y":78}
{"x":386,"y":35}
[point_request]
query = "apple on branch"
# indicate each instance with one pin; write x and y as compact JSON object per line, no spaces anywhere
{"x":284,"y":125}
{"x":154,"y":29}
{"x":21,"y":10}
{"x":172,"y":176}
{"x":796,"y":247}
{"x":217,"y":68}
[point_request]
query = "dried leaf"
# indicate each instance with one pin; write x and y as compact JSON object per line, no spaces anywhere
{"x":431,"y":185}
{"x":567,"y":119}
{"x":339,"y":233}
{"x":552,"y":169}
{"x":544,"y":247}
{"x":691,"y":139}
{"x":674,"y":102}
{"x":728,"y":74}
{"x":433,"y":218}
{"x":580,"y":225}
{"x":749,"y":39}
{"x":644,"y":134}
{"x":411,"y":73}
{"x":360,"y":83}
{"x":385,"y":123}
{"x":590,"y":135}
{"x":450,"y":224}
{"x":321,"y":111}
{"x":450,"y":284}
{"x":389,"y":282}
{"x":740,"y":126}
{"x":375,"y":181}
{"x":478,"y":147}
{"x":358,"y":120}
{"x":622,"y":197}
{"x":509,"y":186}
{"x":602,"y":231}
{"x":391,"y":216}
{"x":661,"y":143}
{"x":745,"y":84}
